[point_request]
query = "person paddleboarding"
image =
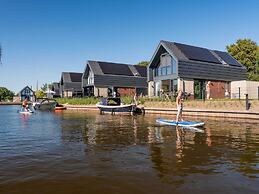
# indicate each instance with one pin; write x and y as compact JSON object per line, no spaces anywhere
{"x":25,"y":104}
{"x":179,"y":105}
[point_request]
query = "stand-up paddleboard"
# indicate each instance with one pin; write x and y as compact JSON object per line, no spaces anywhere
{"x":23,"y":111}
{"x":180,"y":123}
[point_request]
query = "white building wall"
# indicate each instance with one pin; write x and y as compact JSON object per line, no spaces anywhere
{"x":151,"y":89}
{"x":246,"y":87}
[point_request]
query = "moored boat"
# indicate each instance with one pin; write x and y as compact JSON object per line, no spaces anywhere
{"x":114,"y":105}
{"x":45,"y":104}
{"x":60,"y":107}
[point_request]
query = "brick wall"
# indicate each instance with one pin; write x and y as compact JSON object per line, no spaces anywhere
{"x":126,"y":91}
{"x":217,"y":89}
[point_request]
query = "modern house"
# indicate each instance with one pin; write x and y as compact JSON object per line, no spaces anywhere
{"x":176,"y":66}
{"x":104,"y":78}
{"x":28,"y":93}
{"x":71,"y":84}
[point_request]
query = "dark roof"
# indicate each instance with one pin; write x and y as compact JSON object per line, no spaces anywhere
{"x":197,"y":53}
{"x":71,"y":77}
{"x":119,"y":69}
{"x":228,"y":58}
{"x":184,"y":52}
{"x":141,"y":70}
{"x":71,"y":81}
{"x":115,"y":69}
{"x":76,"y":77}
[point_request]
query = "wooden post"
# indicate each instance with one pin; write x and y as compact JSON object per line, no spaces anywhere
{"x":247,"y":102}
{"x":239,"y":93}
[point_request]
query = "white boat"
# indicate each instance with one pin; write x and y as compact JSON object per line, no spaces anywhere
{"x":114,"y":105}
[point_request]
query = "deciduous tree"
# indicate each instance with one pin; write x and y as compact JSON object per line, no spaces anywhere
{"x":245,"y":51}
{"x":143,"y":63}
{"x":6,"y":94}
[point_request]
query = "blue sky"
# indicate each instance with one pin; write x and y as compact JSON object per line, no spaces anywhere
{"x":42,"y":38}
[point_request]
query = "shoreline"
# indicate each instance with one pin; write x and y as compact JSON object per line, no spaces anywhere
{"x":250,"y":114}
{"x":186,"y":112}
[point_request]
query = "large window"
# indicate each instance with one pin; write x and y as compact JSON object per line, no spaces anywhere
{"x":90,"y":79}
{"x":163,"y":70}
{"x":173,"y":61}
{"x":174,"y":85}
{"x":166,"y":69}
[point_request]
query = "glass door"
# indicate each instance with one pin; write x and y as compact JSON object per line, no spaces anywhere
{"x":199,"y":89}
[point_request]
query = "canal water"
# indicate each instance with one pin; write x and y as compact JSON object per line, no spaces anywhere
{"x":84,"y":152}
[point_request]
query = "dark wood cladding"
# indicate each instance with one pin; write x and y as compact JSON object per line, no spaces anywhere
{"x":210,"y":71}
{"x":120,"y":81}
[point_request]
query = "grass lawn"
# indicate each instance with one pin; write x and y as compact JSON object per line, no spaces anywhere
{"x":215,"y":104}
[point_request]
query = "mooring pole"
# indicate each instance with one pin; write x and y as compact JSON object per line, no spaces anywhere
{"x":247,"y":102}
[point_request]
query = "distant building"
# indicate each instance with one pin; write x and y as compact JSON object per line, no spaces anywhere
{"x":56,"y":88}
{"x":105,"y":78}
{"x":176,"y":66}
{"x":71,"y":84}
{"x":28,"y":93}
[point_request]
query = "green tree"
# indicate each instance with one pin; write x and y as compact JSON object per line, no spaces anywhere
{"x":257,"y":60}
{"x":6,"y":94}
{"x":143,"y":63}
{"x":244,"y":50}
{"x":40,"y":93}
{"x":255,"y":76}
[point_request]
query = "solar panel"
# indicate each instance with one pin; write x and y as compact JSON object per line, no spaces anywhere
{"x":115,"y":69}
{"x":76,"y":77}
{"x":142,"y":70}
{"x":197,"y":53}
{"x":227,"y":58}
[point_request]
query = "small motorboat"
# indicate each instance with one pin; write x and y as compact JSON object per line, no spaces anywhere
{"x":59,"y":107}
{"x":114,"y":105}
{"x":45,"y":104}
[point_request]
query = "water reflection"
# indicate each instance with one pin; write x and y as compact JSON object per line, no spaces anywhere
{"x":178,"y":152}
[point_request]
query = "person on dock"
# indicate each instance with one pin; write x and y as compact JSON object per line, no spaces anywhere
{"x":135,"y":99}
{"x":179,"y":104}
{"x":208,"y":88}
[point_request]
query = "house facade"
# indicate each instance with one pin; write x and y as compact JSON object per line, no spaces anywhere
{"x":104,"y":78}
{"x":70,"y":84}
{"x":56,"y":88}
{"x":28,"y":93}
{"x":176,"y":66}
